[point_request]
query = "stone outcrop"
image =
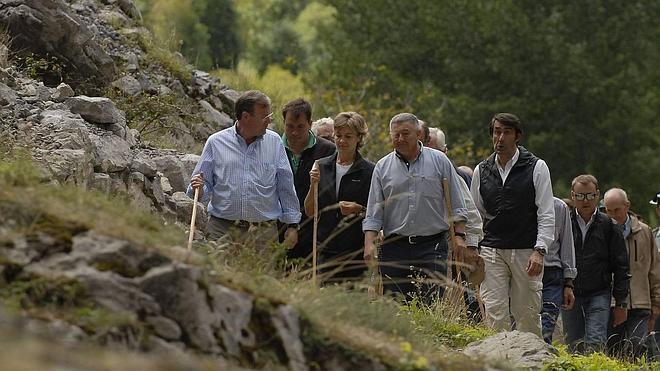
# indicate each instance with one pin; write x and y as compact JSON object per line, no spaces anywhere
{"x":523,"y":350}
{"x":60,"y":34}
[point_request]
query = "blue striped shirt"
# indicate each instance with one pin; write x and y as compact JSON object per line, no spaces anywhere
{"x":252,"y":183}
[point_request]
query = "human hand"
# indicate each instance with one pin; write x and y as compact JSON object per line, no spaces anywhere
{"x":315,"y":174}
{"x":290,"y":237}
{"x":620,"y":315}
{"x":349,"y":207}
{"x":569,"y":299}
{"x":534,"y":264}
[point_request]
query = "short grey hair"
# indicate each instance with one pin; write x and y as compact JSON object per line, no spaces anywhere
{"x":619,"y":192}
{"x":321,"y":122}
{"x":405,"y":117}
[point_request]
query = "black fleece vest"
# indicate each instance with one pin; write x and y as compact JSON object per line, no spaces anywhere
{"x":512,"y":204}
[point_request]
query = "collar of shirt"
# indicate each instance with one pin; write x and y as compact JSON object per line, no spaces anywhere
{"x":295,"y":159}
{"x":584,"y":227}
{"x":400,"y":156}
{"x":627,"y":227}
{"x":240,"y":138}
{"x":504,"y":172}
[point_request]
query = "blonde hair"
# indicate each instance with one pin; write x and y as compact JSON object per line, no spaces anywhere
{"x":354,"y":121}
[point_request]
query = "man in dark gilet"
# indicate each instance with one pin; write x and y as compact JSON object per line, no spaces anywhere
{"x":513,"y":193}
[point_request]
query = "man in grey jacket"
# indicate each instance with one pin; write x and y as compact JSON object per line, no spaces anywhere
{"x":559,"y":271}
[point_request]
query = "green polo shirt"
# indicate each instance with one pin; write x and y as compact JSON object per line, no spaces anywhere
{"x":293,"y":158}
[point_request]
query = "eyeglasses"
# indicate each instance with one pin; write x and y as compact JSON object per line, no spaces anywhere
{"x":585,"y":196}
{"x":268,"y":117}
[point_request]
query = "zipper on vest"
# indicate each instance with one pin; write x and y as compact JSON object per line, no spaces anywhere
{"x":635,"y":250}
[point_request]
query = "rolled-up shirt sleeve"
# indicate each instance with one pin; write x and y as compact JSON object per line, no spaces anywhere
{"x":373,"y":219}
{"x":545,"y":206}
{"x":286,"y":190}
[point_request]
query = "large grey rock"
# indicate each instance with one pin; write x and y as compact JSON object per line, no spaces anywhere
{"x":174,"y":170}
{"x":68,"y":165}
{"x":285,"y":320}
{"x":233,"y":312}
{"x":136,"y":189}
{"x":522,"y":349}
{"x":229,"y":98}
{"x":49,"y":28}
{"x":128,"y":85}
{"x":183,"y":206}
{"x":201,"y":84}
{"x":101,"y":182}
{"x":219,"y":120}
{"x":111,"y":153}
{"x":61,"y":129}
{"x":7,"y":95}
{"x":189,"y":162}
{"x":62,"y":92}
{"x":177,"y":289}
{"x":164,"y":327}
{"x":98,"y":110}
{"x":144,"y":164}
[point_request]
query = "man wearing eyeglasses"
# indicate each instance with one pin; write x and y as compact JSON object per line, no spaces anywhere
{"x":600,"y":253}
{"x":303,"y":148}
{"x":644,"y":259}
{"x":513,"y":193}
{"x":244,"y":175}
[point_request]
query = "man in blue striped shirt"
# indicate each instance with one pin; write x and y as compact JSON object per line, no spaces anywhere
{"x":245,"y":174}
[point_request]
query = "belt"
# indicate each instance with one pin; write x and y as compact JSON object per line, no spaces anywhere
{"x":414,"y":240}
{"x":244,"y":224}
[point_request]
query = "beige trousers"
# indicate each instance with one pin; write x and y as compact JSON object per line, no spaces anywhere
{"x":507,"y":290}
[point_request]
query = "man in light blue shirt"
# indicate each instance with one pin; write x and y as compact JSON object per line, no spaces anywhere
{"x":406,"y":202}
{"x":245,"y":176}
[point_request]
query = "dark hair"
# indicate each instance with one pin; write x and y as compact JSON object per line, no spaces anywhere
{"x":427,"y":132}
{"x":297,"y":107}
{"x":247,"y":101}
{"x":507,"y":119}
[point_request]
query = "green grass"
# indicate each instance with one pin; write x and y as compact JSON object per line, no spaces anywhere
{"x":595,"y":362}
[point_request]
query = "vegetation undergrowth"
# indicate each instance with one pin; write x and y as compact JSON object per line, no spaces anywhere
{"x":595,"y":362}
{"x":32,"y":206}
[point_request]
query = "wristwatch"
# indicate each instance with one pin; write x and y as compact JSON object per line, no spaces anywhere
{"x":540,"y":250}
{"x":460,"y":234}
{"x":292,"y":225}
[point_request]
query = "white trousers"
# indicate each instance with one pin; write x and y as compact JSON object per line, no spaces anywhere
{"x":507,"y":290}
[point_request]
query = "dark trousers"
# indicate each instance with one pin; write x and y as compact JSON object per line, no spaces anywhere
{"x":553,"y":298}
{"x":414,"y":269}
{"x":340,"y":267}
{"x":628,"y":338}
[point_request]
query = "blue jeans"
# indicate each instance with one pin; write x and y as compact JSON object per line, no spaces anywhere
{"x":585,"y":325}
{"x":553,"y":297}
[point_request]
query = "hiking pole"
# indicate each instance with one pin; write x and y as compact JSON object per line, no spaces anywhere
{"x":315,"y":191}
{"x":193,"y":219}
{"x":452,"y":233}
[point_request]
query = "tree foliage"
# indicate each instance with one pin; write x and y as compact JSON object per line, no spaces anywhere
{"x":583,"y":76}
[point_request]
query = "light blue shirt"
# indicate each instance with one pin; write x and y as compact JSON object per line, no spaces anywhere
{"x":561,"y":253}
{"x":247,"y":182}
{"x":410,"y":201}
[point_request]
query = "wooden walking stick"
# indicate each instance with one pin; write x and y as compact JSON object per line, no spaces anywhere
{"x":452,"y":236}
{"x":315,"y":191}
{"x":193,"y":218}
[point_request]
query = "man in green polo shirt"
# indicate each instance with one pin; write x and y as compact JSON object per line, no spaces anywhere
{"x":302,"y":148}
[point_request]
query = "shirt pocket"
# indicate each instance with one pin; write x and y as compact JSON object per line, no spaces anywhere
{"x":431,"y":187}
{"x":264,"y":176}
